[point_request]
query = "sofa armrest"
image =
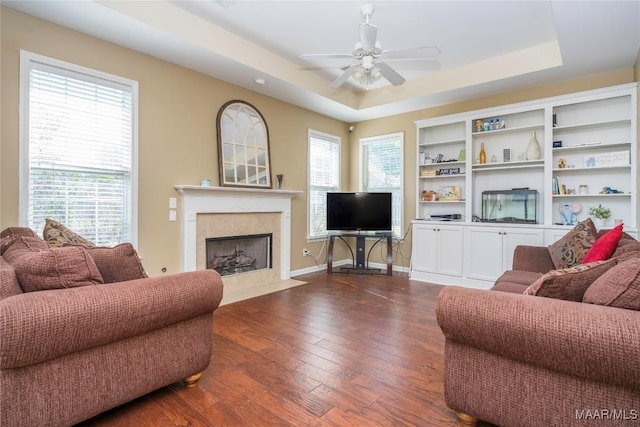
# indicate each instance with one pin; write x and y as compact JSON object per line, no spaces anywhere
{"x":532,"y":258}
{"x":562,"y":336}
{"x":39,"y":326}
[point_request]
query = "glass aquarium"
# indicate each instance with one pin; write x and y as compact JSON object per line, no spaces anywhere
{"x":514,"y":206}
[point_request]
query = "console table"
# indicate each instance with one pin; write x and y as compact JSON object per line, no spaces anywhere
{"x":360,"y":262}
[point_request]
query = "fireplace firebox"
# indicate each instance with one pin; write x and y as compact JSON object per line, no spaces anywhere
{"x":239,"y":254}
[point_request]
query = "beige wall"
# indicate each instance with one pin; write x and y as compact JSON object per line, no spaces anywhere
{"x":177,"y":140}
{"x":405,"y":123}
{"x":177,"y":132}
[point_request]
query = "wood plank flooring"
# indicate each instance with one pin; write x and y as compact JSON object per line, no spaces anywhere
{"x":343,"y":350}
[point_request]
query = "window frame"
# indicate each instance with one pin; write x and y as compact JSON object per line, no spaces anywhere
{"x":338,"y":141}
{"x":26,"y":60}
{"x":378,"y":139}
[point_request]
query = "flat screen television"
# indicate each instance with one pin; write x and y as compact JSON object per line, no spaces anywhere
{"x":359,"y":211}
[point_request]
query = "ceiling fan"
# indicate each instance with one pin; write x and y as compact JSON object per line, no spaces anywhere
{"x":369,"y":57}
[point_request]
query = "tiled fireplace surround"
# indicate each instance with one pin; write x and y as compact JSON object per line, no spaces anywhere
{"x":227,"y":211}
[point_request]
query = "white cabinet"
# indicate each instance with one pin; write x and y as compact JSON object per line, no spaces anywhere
{"x":437,"y":249}
{"x":490,"y":249}
{"x":587,"y":140}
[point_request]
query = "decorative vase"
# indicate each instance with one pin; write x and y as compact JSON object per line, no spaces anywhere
{"x":483,"y":154}
{"x":533,"y":149}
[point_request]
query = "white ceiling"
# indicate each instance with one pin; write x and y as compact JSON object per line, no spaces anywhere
{"x":487,"y":47}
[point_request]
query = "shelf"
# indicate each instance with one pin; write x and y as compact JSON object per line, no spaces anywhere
{"x":573,"y":196}
{"x":510,"y":165}
{"x":442,"y":164}
{"x":579,"y":126}
{"x":449,"y":141}
{"x":443,"y":176}
{"x":438,"y":202}
{"x":594,"y":169}
{"x":594,"y":146}
{"x":509,"y":130}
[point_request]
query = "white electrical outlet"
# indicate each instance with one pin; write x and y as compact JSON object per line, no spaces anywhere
{"x":306,"y":252}
{"x":172,"y":215}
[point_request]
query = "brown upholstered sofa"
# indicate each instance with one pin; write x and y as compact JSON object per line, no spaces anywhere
{"x":69,"y":354}
{"x":520,"y":360}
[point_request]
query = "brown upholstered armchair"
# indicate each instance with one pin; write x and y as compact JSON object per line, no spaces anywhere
{"x":69,"y":354}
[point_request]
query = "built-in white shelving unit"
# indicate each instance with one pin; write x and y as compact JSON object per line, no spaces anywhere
{"x":588,"y":156}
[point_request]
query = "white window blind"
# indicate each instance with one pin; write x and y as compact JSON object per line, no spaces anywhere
{"x":80,"y":145}
{"x":324,"y":177}
{"x":381,"y":169}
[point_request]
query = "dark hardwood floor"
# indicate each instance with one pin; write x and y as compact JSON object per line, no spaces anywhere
{"x":343,"y":350}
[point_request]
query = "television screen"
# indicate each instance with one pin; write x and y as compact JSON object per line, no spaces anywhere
{"x":359,"y":211}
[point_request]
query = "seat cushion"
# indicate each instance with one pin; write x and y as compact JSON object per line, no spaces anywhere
{"x":513,"y":288}
{"x":519,"y":277}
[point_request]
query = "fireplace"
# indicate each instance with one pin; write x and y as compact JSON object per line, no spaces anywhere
{"x":239,"y":254}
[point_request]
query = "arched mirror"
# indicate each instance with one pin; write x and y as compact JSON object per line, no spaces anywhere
{"x":243,"y":146}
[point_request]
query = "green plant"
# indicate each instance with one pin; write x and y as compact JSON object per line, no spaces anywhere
{"x":600,"y":212}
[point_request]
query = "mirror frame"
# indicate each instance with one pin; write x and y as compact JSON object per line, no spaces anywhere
{"x":236,"y":113}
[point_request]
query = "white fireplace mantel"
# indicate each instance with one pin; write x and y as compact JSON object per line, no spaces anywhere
{"x":200,"y":200}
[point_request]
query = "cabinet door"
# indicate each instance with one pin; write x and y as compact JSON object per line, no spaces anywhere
{"x":512,"y":237}
{"x":450,"y":250}
{"x":424,"y":248}
{"x":484,"y":256}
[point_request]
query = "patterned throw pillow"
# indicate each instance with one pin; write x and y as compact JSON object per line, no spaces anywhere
{"x":569,"y":283}
{"x":56,"y":235}
{"x":618,"y":287}
{"x":571,"y":248}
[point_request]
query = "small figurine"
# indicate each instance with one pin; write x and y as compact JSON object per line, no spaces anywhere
{"x":569,"y":212}
{"x":609,"y":190}
{"x":562,"y":163}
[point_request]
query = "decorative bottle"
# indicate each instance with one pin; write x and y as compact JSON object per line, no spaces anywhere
{"x":483,"y":154}
{"x":533,"y":149}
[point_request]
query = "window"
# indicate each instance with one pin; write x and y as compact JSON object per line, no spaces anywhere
{"x":381,"y":171}
{"x":78,"y":150}
{"x":324,"y":177}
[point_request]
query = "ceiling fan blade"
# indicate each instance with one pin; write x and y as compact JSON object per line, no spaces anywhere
{"x":390,"y":74}
{"x":311,"y":56}
{"x":368,"y":34}
{"x":425,"y":52}
{"x":344,"y":76}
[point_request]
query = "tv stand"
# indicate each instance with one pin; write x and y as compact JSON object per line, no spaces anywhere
{"x":360,"y":262}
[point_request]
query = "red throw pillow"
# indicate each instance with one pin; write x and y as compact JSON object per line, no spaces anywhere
{"x":605,"y":246}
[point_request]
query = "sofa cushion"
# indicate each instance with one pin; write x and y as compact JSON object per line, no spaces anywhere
{"x":39,"y":269}
{"x":571,"y":248}
{"x":605,"y":246}
{"x":20,"y":245}
{"x":520,"y":277}
{"x":117,"y":264}
{"x":57,"y":234}
{"x":513,"y":288}
{"x":8,"y":235}
{"x":618,"y":287}
{"x":569,"y":283}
